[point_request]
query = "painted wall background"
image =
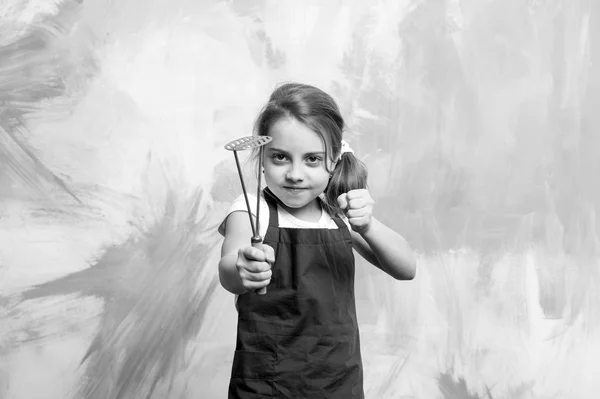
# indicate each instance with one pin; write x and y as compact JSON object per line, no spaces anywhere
{"x":480,"y":126}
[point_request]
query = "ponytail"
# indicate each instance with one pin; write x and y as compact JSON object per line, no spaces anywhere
{"x":350,"y":173}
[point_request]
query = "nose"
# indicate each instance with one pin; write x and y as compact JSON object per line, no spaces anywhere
{"x":295,"y":173}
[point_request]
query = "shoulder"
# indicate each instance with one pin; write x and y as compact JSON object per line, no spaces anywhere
{"x":346,"y":222}
{"x":343,"y":218}
{"x":239,"y":205}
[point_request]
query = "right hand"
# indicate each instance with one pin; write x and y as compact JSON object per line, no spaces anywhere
{"x":254,"y":266}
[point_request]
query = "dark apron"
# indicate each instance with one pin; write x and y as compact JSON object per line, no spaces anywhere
{"x":301,"y":339}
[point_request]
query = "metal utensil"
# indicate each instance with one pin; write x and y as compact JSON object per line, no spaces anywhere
{"x":247,"y":143}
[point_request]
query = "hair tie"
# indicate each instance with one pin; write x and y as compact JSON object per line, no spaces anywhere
{"x":345,"y":148}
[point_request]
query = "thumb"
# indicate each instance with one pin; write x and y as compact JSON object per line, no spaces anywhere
{"x":343,"y":201}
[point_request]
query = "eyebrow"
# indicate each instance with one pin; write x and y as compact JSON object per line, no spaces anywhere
{"x":273,"y":149}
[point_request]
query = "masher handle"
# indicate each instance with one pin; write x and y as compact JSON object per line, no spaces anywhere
{"x":257,"y":243}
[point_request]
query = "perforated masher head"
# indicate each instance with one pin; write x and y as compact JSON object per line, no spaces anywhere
{"x":246,"y":143}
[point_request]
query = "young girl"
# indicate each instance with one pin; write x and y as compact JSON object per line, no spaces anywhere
{"x":301,"y":339}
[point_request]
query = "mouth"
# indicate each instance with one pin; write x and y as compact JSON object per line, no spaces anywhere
{"x":295,"y":189}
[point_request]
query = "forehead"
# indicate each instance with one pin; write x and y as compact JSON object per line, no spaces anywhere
{"x":291,"y":135}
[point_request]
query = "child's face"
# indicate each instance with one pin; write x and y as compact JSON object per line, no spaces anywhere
{"x":295,"y":164}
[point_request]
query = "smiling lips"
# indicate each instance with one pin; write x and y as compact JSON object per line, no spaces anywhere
{"x":295,"y":189}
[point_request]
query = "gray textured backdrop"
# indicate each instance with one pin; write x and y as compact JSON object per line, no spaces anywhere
{"x":479,"y":121}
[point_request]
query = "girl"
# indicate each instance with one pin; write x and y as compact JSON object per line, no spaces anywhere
{"x":301,"y":339}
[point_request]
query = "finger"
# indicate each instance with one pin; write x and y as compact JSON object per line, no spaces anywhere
{"x":342,"y":200}
{"x":359,"y":221}
{"x":358,"y":193}
{"x":269,"y":253}
{"x":252,"y":253}
{"x":357,"y":213}
{"x":257,"y":277}
{"x":257,"y":267}
{"x":357,"y":203}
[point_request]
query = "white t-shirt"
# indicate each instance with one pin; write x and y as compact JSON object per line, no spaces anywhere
{"x":286,"y":220}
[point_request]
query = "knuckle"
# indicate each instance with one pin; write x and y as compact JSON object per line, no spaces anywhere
{"x":250,"y":265}
{"x":239,"y":264}
{"x":260,"y":255}
{"x":265,"y":266}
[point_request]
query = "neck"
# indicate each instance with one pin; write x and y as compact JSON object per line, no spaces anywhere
{"x":311,"y":212}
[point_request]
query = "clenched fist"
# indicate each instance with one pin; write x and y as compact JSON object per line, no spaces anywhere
{"x":254,"y":266}
{"x":358,"y":208}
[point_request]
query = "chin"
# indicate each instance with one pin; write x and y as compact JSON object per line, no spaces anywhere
{"x":290,"y":203}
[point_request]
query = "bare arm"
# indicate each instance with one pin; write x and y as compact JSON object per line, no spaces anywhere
{"x":373,"y":240}
{"x":386,"y":249}
{"x":243,"y":268}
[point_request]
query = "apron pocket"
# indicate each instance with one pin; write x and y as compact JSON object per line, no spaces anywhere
{"x":253,"y":365}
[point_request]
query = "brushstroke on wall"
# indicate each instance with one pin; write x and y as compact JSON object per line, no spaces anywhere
{"x":477,"y":121}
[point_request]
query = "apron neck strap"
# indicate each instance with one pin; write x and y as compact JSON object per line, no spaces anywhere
{"x":272,"y":201}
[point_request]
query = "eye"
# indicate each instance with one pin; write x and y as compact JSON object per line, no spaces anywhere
{"x":314,"y":160}
{"x":278,"y":157}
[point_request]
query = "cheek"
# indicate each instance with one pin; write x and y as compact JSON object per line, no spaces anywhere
{"x":269,"y":174}
{"x":322,"y":177}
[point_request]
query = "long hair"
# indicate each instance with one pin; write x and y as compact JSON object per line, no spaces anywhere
{"x":319,"y":112}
